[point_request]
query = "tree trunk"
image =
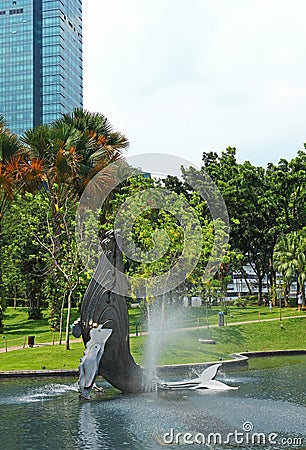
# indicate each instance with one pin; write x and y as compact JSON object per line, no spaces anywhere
{"x":272,"y":279}
{"x":303,"y":298}
{"x":61,"y":321}
{"x":15,"y":297}
{"x":286,"y":290}
{"x":68,"y":319}
{"x":2,"y":302}
{"x":245,"y":277}
{"x":56,"y":230}
{"x":31,"y":297}
{"x":259,"y":298}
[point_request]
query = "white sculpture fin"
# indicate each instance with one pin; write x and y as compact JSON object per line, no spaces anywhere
{"x":209,"y":373}
{"x":204,"y":381}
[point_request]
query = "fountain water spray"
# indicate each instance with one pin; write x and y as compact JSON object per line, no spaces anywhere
{"x":162,"y":320}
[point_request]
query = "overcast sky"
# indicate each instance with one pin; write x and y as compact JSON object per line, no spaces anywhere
{"x":187,"y":76}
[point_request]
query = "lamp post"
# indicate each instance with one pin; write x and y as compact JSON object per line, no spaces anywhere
{"x":5,"y":343}
{"x":207,"y":320}
{"x":278,"y":292}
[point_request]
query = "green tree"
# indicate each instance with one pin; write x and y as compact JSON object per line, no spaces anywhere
{"x":290,"y":259}
{"x":16,"y":174}
{"x":23,"y":222}
{"x":243,"y":190}
{"x":286,"y":191}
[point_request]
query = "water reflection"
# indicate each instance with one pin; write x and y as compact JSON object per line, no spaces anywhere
{"x":88,"y":428}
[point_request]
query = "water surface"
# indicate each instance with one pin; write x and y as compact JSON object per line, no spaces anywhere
{"x":40,"y":414}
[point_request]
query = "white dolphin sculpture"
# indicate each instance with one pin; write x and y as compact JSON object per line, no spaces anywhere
{"x":88,"y":369}
{"x":204,"y":381}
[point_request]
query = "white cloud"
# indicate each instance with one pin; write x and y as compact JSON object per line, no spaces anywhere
{"x":184,"y":76}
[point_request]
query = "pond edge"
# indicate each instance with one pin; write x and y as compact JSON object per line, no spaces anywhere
{"x":238,"y":360}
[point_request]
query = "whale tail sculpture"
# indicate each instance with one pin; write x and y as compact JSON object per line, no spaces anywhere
{"x":105,"y":330}
{"x":108,"y":349}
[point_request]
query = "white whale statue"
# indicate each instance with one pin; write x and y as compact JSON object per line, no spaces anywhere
{"x":88,"y":369}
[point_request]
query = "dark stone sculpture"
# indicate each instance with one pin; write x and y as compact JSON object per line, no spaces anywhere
{"x":102,"y":307}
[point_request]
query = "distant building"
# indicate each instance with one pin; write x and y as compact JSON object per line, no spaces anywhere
{"x":40,"y":61}
{"x":238,"y":286}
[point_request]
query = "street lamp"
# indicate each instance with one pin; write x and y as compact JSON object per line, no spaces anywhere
{"x":5,"y":343}
{"x":278,"y":292}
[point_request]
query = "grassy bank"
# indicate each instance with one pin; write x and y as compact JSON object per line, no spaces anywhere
{"x":18,"y":327}
{"x":200,"y":316}
{"x":178,"y":347}
{"x":185,"y":347}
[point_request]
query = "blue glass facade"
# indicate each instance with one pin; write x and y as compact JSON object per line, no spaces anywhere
{"x":40,"y":60}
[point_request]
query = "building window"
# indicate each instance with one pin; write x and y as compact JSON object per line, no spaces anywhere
{"x":16,"y":11}
{"x":2,"y":13}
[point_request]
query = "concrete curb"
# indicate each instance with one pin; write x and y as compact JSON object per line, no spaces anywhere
{"x":39,"y":373}
{"x":240,"y":359}
{"x":185,"y":369}
{"x":262,"y":354}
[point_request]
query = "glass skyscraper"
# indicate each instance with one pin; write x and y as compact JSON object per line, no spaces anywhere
{"x":40,"y":61}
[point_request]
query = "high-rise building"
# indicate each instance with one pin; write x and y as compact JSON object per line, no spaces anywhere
{"x":40,"y":61}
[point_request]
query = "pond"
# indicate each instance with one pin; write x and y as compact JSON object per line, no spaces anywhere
{"x":268,"y":411}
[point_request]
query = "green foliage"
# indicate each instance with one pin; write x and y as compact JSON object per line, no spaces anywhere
{"x":54,"y":287}
{"x":262,"y":204}
{"x":245,"y":301}
{"x":164,"y":235}
{"x":34,"y":313}
{"x":24,"y":261}
{"x":290,"y":258}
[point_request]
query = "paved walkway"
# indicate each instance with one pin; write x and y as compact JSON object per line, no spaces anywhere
{"x":144,"y":333}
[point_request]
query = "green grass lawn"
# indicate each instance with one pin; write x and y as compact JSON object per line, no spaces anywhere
{"x":199,"y":316}
{"x":184,"y":347}
{"x":178,"y":347}
{"x":45,"y":357}
{"x":17,"y":327}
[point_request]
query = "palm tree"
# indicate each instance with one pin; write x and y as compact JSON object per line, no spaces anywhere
{"x":100,"y":144}
{"x":72,"y":150}
{"x":290,"y":259}
{"x":9,"y":148}
{"x":75,"y":147}
{"x":59,"y":150}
